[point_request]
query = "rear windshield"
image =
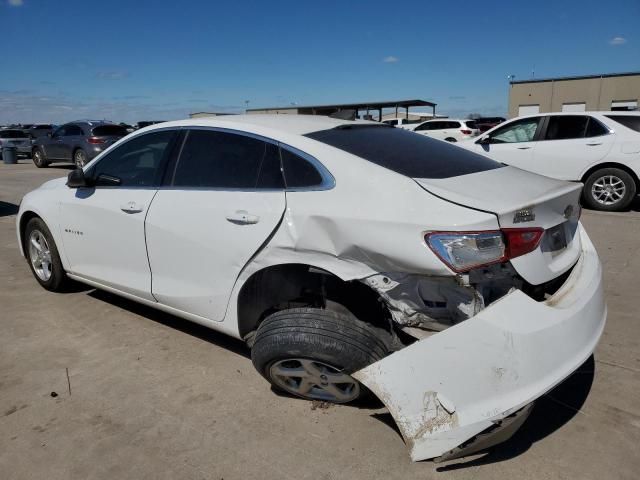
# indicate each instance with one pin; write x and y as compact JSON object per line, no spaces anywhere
{"x":629,"y":121}
{"x":13,"y":134}
{"x":404,"y":152}
{"x":470,"y":123}
{"x":109,"y":131}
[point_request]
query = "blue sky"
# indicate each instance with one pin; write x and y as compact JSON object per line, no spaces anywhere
{"x":144,"y":59}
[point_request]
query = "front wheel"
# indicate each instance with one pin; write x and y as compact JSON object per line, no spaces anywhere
{"x":43,"y":256}
{"x":311,"y":353}
{"x":39,"y":158}
{"x":609,"y":189}
{"x":80,"y":158}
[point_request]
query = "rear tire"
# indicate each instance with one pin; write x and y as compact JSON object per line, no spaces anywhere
{"x":39,"y":158}
{"x":310,"y":353}
{"x":43,"y":258}
{"x":609,"y":189}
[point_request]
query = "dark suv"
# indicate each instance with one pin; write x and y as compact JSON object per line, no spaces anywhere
{"x":76,"y":142}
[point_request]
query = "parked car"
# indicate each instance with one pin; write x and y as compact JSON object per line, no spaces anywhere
{"x":450,"y":129}
{"x":487,"y":123}
{"x":17,"y":138}
{"x":40,"y":130}
{"x":332,"y":248}
{"x":76,"y":142}
{"x":599,"y":149}
{"x":405,"y":123}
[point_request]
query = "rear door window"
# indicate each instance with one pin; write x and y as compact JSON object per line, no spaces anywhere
{"x":629,"y":121}
{"x":402,"y":151}
{"x":566,"y":127}
{"x":213,"y":159}
{"x":73,"y":130}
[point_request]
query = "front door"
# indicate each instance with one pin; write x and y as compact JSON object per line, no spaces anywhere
{"x":103,"y":226}
{"x":223,"y":201}
{"x":512,"y":144}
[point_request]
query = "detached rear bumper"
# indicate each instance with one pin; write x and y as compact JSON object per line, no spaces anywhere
{"x":472,"y":378}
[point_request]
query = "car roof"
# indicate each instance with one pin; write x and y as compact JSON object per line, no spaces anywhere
{"x":588,"y":112}
{"x":286,"y":123}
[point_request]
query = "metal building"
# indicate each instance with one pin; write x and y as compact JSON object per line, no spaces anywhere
{"x":614,"y":91}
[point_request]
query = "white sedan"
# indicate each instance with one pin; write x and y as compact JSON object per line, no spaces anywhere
{"x":347,"y":255}
{"x":448,"y":129}
{"x":599,"y":149}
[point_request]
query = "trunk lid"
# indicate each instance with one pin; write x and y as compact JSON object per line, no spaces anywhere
{"x":522,"y":199}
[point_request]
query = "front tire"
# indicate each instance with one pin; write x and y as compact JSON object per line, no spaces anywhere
{"x":310,"y":353}
{"x":39,"y":158}
{"x":80,"y":158}
{"x":43,"y":257}
{"x":609,"y":189}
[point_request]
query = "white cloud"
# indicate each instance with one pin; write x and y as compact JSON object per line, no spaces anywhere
{"x":617,"y":41}
{"x":390,"y":59}
{"x":15,"y":3}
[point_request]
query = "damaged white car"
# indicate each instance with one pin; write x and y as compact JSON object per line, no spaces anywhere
{"x":350,"y":256}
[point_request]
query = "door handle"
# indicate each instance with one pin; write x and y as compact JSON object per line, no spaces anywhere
{"x":132,"y":207}
{"x":594,"y":144}
{"x":523,"y":148}
{"x":242,"y":217}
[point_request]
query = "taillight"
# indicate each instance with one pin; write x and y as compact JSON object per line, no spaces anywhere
{"x":466,"y":132}
{"x":464,"y":251}
{"x":521,"y":240}
{"x":95,"y":140}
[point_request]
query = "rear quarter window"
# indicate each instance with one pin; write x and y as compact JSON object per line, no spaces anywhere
{"x":404,"y":152}
{"x":109,"y":131}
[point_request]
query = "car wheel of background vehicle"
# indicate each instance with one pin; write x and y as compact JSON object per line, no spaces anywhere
{"x":609,"y":189}
{"x":42,"y":255}
{"x":39,"y":159}
{"x":79,"y":158}
{"x":310,"y":353}
{"x":450,"y":139}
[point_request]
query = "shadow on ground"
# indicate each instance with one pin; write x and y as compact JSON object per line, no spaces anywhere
{"x":7,"y":209}
{"x":550,"y":412}
{"x":185,"y":326}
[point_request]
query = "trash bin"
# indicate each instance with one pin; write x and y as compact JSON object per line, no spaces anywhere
{"x":9,"y":154}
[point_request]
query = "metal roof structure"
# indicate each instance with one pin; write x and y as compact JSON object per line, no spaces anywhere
{"x":578,"y":77}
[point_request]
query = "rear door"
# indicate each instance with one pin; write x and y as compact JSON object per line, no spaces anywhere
{"x":73,"y":135}
{"x":570,"y":144}
{"x":103,"y":226}
{"x":511,"y":144}
{"x":223,"y":199}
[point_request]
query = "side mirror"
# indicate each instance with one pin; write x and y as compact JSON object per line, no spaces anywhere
{"x":49,"y":134}
{"x":486,"y":140}
{"x":77,"y":179}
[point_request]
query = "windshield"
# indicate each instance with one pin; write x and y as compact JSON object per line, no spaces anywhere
{"x":404,"y":152}
{"x":13,"y":134}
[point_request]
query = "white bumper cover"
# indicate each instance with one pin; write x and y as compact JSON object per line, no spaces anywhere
{"x":449,"y":388}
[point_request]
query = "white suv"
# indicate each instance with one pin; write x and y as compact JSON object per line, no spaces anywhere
{"x":599,"y":149}
{"x":333,"y":248}
{"x":449,"y":129}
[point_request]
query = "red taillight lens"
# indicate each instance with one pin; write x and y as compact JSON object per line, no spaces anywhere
{"x":466,"y":132}
{"x":95,"y":140}
{"x":520,"y":241}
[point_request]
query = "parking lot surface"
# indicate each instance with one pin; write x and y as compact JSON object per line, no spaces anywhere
{"x":96,"y":387}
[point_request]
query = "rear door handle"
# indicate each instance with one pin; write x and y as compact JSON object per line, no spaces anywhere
{"x":132,"y":207}
{"x":594,"y":144}
{"x":242,"y":217}
{"x":523,"y":148}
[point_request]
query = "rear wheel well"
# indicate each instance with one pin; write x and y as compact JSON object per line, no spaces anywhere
{"x":620,"y":166}
{"x":287,"y":286}
{"x":24,"y":219}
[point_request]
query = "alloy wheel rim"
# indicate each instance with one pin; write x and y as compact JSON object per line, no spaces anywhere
{"x":608,"y":190}
{"x":40,"y":255}
{"x":80,"y":160}
{"x":38,"y":158}
{"x":314,"y":380}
